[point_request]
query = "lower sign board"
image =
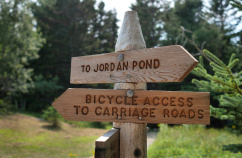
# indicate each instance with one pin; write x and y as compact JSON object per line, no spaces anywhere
{"x":107,"y":146}
{"x":105,"y":105}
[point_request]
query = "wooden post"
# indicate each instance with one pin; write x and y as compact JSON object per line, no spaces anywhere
{"x":107,"y":146}
{"x":133,"y":136}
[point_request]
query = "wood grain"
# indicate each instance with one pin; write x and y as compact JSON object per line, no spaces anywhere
{"x":108,"y":145}
{"x":133,"y":140}
{"x":163,"y":64}
{"x":133,"y":136}
{"x":132,"y":86}
{"x":130,"y":36}
{"x":144,"y":107}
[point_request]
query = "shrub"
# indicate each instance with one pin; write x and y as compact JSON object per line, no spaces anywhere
{"x":51,"y":115}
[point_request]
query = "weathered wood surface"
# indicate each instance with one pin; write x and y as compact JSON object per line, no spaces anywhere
{"x":131,"y":86}
{"x":144,"y":107}
{"x":133,"y":136}
{"x":108,"y":145}
{"x":130,"y":36}
{"x":163,"y":64}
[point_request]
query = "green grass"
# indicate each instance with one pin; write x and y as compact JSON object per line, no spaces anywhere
{"x":193,"y":141}
{"x":14,"y":144}
{"x":23,"y":136}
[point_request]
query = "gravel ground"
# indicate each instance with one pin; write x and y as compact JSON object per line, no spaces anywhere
{"x":151,"y":136}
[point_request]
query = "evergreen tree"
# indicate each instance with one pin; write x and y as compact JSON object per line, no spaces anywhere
{"x":225,"y":17}
{"x":19,"y":44}
{"x":226,"y":85}
{"x":188,"y":24}
{"x":150,"y":15}
{"x":62,"y":23}
{"x":186,"y":14}
{"x":104,"y":31}
{"x":72,"y":28}
{"x":236,"y":4}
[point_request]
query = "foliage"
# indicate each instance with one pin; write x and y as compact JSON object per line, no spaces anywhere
{"x":71,"y":28}
{"x":5,"y":107}
{"x":42,"y":94}
{"x":187,"y":14}
{"x":193,"y":141}
{"x":51,"y":115}
{"x":46,"y":87}
{"x":149,"y":13}
{"x":227,"y":86}
{"x":19,"y":44}
{"x":226,"y":18}
{"x":235,"y":148}
{"x":236,"y":4}
{"x":88,"y":124}
{"x":208,"y":28}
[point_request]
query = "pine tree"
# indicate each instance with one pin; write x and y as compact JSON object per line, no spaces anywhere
{"x":187,"y":15}
{"x":236,"y":4}
{"x":150,"y":15}
{"x":227,"y":86}
{"x":221,"y":13}
{"x":64,"y":25}
{"x":72,"y":28}
{"x":104,"y":31}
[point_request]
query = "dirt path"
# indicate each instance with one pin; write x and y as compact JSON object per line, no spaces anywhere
{"x":151,"y":136}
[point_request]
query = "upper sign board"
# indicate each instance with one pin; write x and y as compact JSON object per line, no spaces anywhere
{"x":105,"y":105}
{"x":163,"y":64}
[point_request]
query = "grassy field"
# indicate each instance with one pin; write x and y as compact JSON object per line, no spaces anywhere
{"x":24,"y":136}
{"x":193,"y":141}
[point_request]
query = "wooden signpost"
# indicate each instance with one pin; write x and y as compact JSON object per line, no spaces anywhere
{"x":130,"y":106}
{"x":107,"y":146}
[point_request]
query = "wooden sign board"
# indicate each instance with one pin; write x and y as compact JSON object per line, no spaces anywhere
{"x":105,"y":105}
{"x":108,"y":145}
{"x":163,"y":64}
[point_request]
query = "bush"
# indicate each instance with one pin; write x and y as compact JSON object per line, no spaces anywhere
{"x":51,"y":115}
{"x":6,"y":107}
